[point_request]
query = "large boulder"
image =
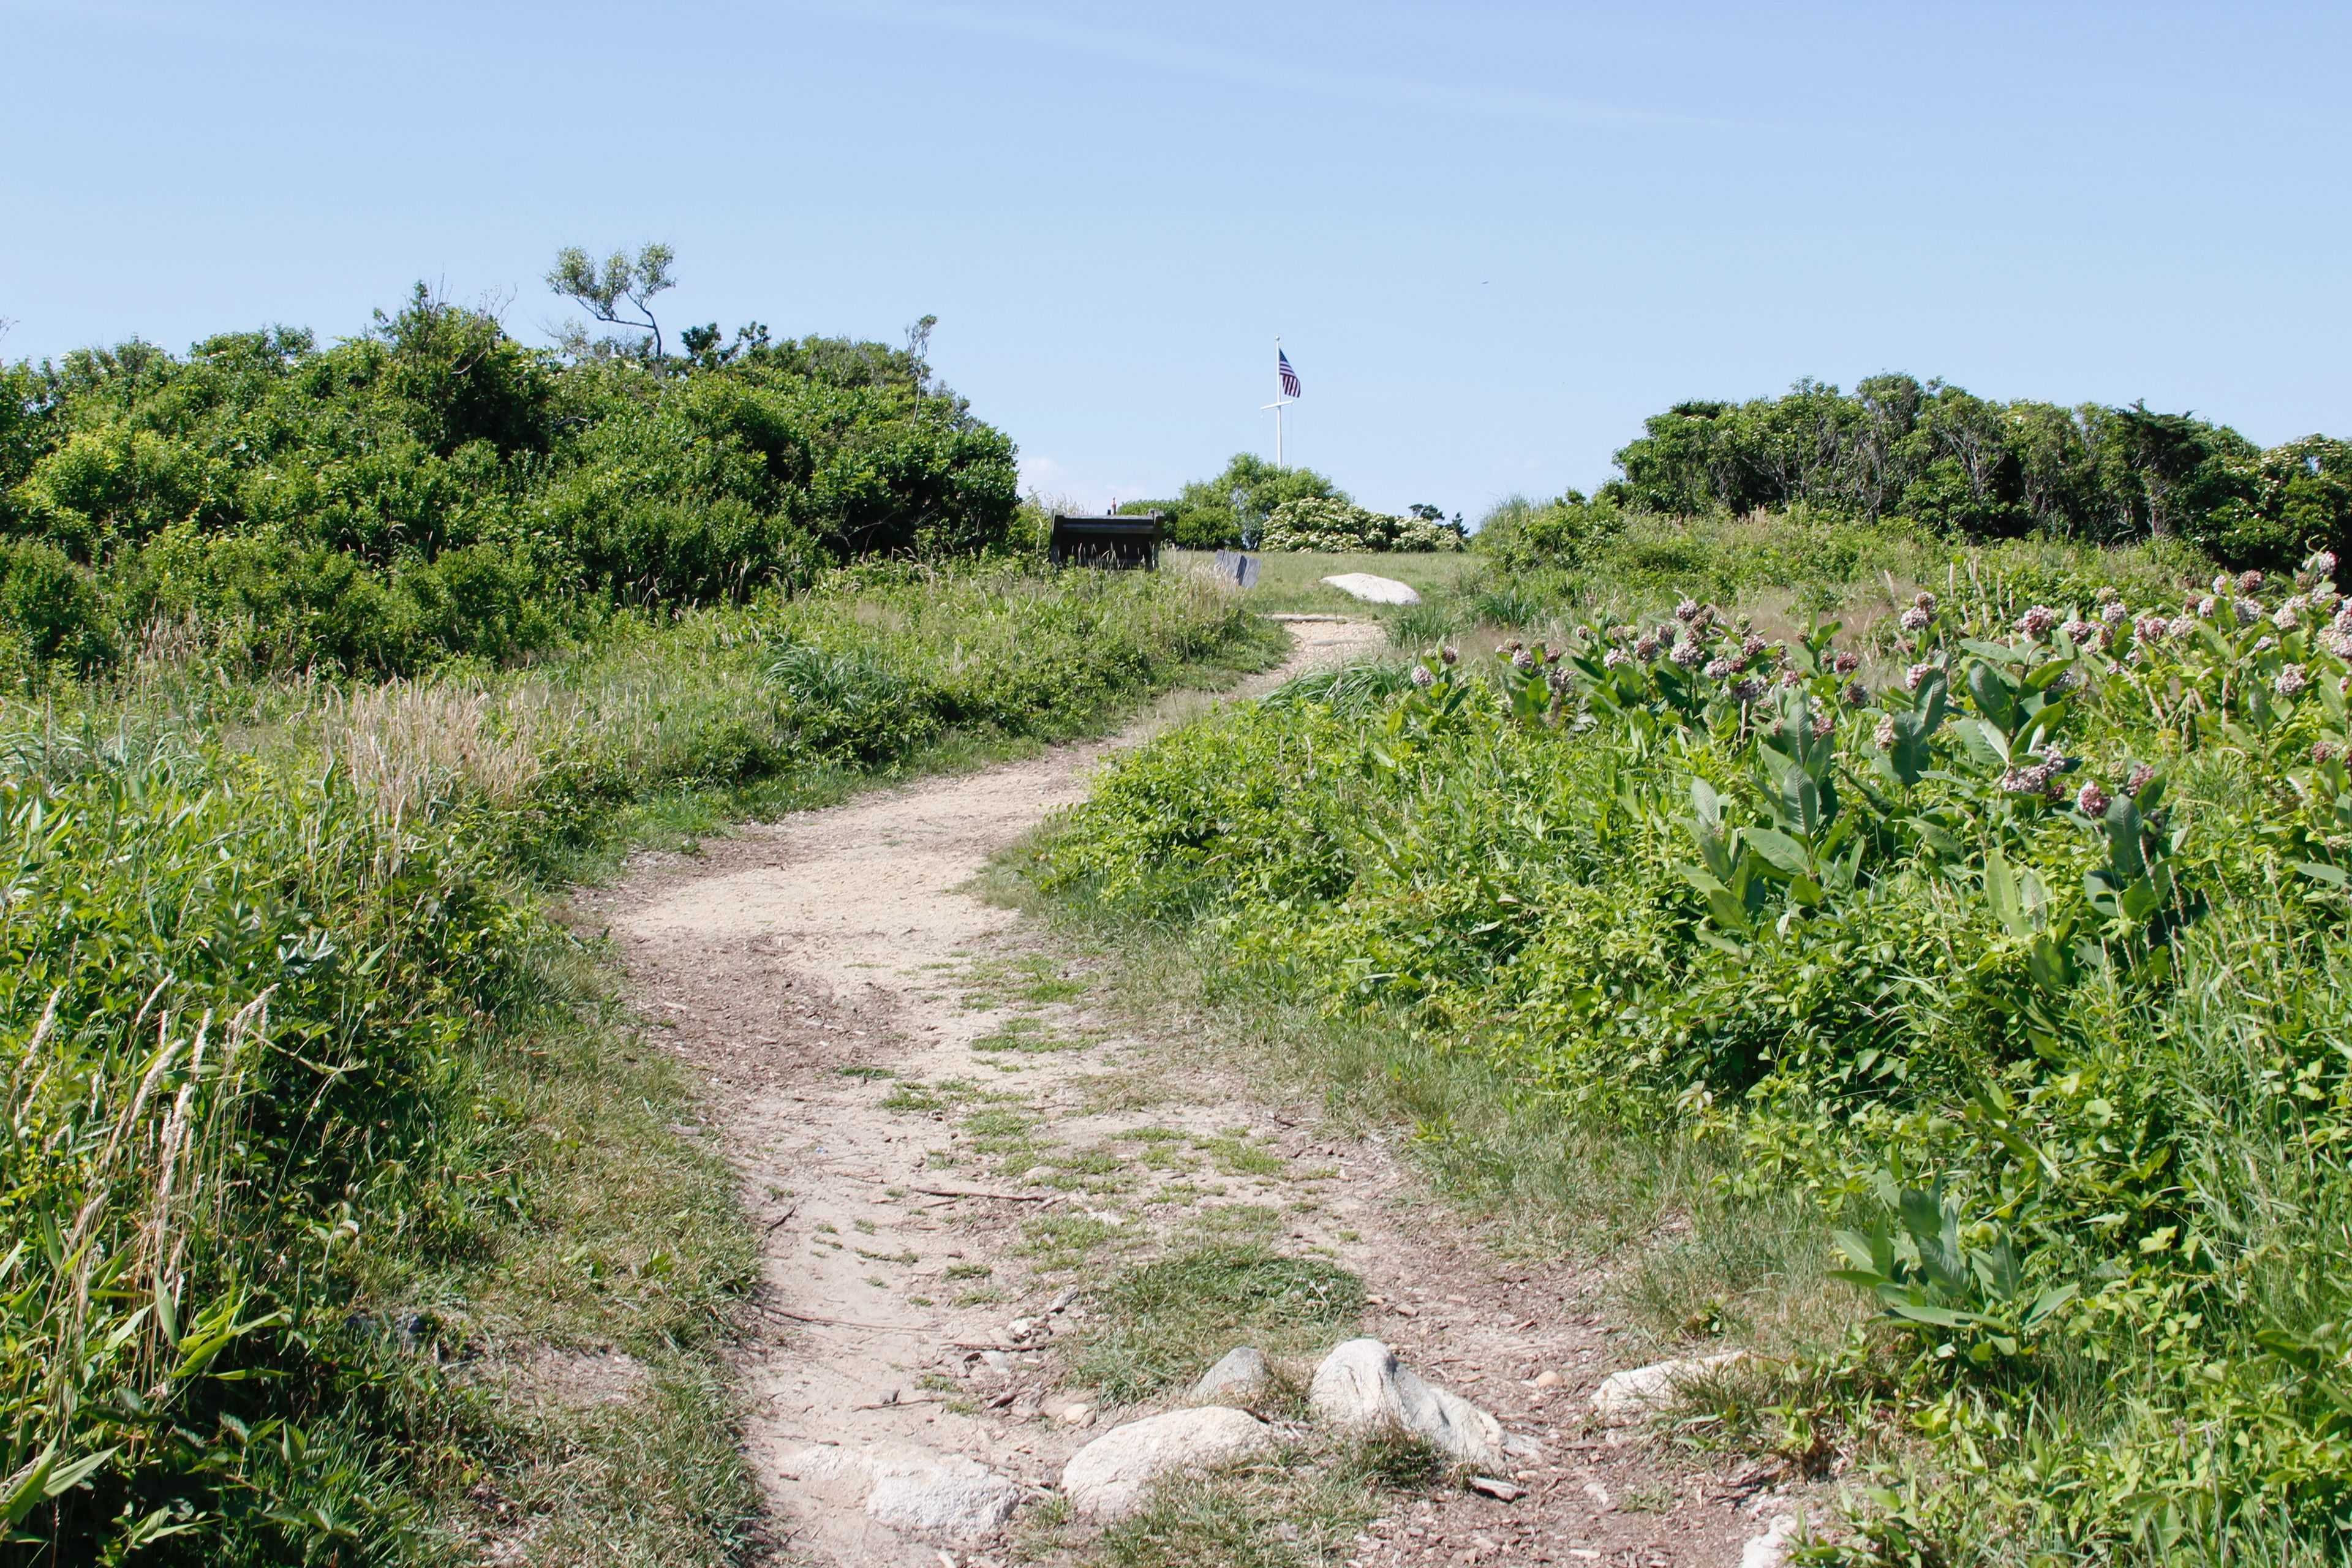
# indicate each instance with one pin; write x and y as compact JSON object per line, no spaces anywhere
{"x":1237,"y":1379}
{"x":1362,"y":1387}
{"x":909,"y":1487}
{"x":1624,"y":1397}
{"x":1374,"y":590}
{"x":1107,"y":1479}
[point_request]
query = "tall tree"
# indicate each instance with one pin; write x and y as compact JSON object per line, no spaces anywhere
{"x":625,"y":280}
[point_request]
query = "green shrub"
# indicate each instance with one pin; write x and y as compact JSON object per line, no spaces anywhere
{"x":433,"y":489}
{"x":1965,"y":467}
{"x":52,"y":606}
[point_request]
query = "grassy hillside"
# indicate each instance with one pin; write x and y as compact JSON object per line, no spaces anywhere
{"x":1924,"y":961}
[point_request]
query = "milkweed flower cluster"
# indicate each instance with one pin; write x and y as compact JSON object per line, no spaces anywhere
{"x":2037,"y":621}
{"x":1855,"y":694}
{"x":2138,"y":779}
{"x":2291,"y":680}
{"x":1609,"y":660}
{"x":1845,"y":663}
{"x":1645,"y":648}
{"x":1422,"y":676}
{"x":1687,"y":653}
{"x":1915,"y":675}
{"x":1883,"y":736}
{"x":1916,"y":619}
{"x":2091,"y":800}
{"x":2041,"y":778}
{"x":1746,"y":689}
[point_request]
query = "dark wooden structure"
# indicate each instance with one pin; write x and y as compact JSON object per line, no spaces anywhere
{"x":1119,"y":543}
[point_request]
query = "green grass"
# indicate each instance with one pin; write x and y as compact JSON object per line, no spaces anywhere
{"x":1302,"y":1508}
{"x":1156,"y":1327}
{"x":1292,"y":583}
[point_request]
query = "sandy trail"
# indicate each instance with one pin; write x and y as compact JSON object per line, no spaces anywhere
{"x":938,"y":1138}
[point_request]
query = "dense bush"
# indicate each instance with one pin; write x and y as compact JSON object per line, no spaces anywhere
{"x":433,"y":486}
{"x":1339,"y":525}
{"x":2008,"y":932}
{"x":1937,"y":455}
{"x":1204,"y":517}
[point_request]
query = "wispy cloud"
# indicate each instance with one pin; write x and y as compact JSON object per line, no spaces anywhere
{"x":1151,"y":49}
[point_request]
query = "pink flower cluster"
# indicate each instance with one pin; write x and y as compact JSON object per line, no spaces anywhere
{"x":2041,"y":778}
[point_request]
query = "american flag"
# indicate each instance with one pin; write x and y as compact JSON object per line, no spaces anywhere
{"x":1289,"y":376}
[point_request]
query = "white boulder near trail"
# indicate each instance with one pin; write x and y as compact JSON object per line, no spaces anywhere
{"x":1374,"y":590}
{"x":1628,"y":1396}
{"x":1361,"y":1386}
{"x":1240,"y":1376}
{"x":909,"y":1487}
{"x":1107,"y":1479}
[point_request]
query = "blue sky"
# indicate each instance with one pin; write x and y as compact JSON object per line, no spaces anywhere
{"x":1492,"y":237}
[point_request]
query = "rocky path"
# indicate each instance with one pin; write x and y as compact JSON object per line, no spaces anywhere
{"x":946,"y":1149}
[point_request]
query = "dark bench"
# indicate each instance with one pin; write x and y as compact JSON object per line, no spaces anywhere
{"x":1119,"y":543}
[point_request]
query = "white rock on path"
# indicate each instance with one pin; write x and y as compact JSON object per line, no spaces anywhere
{"x":1106,"y":1479}
{"x":1361,"y":1386}
{"x":909,"y":1487}
{"x":1374,"y":590}
{"x":1771,"y":1549}
{"x":1626,"y":1396}
{"x":1240,"y":1377}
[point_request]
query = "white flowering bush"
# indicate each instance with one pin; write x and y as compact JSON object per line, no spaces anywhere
{"x":1341,"y":526}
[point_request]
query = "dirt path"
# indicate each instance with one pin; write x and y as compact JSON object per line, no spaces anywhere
{"x":945,"y":1148}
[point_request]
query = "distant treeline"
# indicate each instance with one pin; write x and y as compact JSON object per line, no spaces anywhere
{"x":434,"y":487}
{"x":1937,"y":455}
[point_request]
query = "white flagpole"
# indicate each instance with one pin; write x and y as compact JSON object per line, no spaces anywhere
{"x":1278,"y":404}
